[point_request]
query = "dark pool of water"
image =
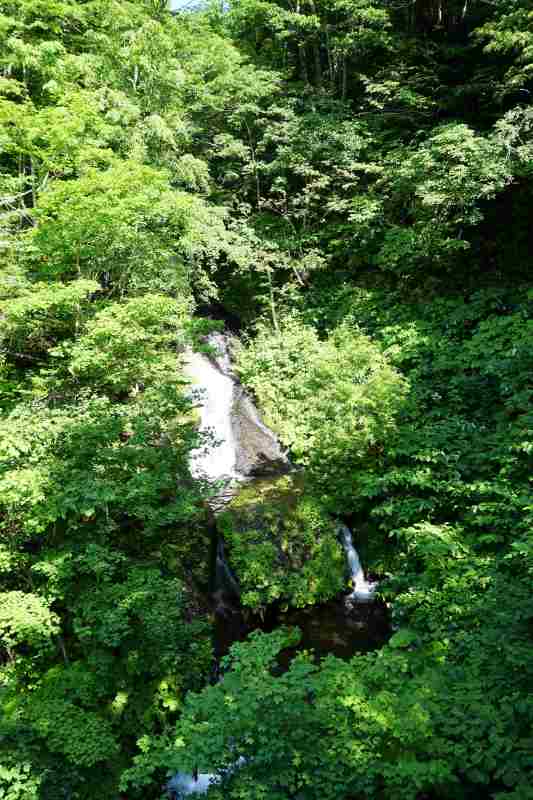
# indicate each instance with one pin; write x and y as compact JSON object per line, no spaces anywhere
{"x":335,"y":628}
{"x":332,"y":627}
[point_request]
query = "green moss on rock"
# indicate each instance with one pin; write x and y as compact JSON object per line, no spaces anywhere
{"x":281,"y":544}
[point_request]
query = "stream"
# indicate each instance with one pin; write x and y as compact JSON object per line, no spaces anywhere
{"x":240,"y":449}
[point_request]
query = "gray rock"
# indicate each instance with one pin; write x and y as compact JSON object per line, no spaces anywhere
{"x":258,"y":452}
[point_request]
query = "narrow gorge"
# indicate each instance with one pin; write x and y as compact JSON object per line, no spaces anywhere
{"x":241,"y":457}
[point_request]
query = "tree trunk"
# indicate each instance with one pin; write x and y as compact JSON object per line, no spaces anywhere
{"x":316,"y":51}
{"x":318,"y":65}
{"x":331,"y":67}
{"x":344,"y":87}
{"x":272,"y":300}
{"x":302,"y":60}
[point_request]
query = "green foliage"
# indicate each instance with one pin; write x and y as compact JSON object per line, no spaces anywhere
{"x":509,"y":34}
{"x":80,"y":464}
{"x":91,"y":488}
{"x":349,"y":33}
{"x":428,"y":711}
{"x":359,"y":173}
{"x":42,"y":316}
{"x":128,"y":345}
{"x":25,"y":619}
{"x":126,"y":227}
{"x":440,"y":187}
{"x":18,"y":782}
{"x":282,"y":545}
{"x":332,"y":402}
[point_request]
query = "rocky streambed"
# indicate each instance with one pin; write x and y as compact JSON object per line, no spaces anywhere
{"x":277,"y":557}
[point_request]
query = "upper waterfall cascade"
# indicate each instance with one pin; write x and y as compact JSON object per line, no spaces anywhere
{"x":214,"y":392}
{"x":242,"y":444}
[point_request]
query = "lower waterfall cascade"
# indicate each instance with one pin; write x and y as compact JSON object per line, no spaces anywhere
{"x":363,"y":591}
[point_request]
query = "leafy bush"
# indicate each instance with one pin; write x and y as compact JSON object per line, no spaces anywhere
{"x":333,"y":402}
{"x":282,"y":545}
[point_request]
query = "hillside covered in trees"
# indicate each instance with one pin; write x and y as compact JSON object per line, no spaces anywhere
{"x":347,"y":185}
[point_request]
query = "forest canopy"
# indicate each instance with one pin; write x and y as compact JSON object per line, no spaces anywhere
{"x":348,"y":185}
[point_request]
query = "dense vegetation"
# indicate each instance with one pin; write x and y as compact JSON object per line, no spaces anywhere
{"x":352,"y":180}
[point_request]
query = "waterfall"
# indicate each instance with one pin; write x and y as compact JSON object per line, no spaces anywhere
{"x":241,"y":445}
{"x":224,"y":577}
{"x":183,"y":784}
{"x":363,"y":590}
{"x":213,"y":391}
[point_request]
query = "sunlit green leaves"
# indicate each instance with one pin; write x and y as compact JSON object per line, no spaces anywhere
{"x":25,"y":619}
{"x":126,"y":227}
{"x":41,"y":317}
{"x":129,"y":345}
{"x":332,"y":402}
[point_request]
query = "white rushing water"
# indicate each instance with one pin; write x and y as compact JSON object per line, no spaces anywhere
{"x":183,"y":784}
{"x":213,"y":392}
{"x":241,"y":445}
{"x":363,"y":590}
{"x":224,"y":578}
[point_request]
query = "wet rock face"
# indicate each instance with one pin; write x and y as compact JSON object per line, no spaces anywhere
{"x":258,"y":451}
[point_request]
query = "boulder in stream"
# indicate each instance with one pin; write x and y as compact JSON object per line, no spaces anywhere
{"x":259,"y":452}
{"x":281,"y":544}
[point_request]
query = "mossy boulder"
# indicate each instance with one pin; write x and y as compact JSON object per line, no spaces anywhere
{"x":281,"y":544}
